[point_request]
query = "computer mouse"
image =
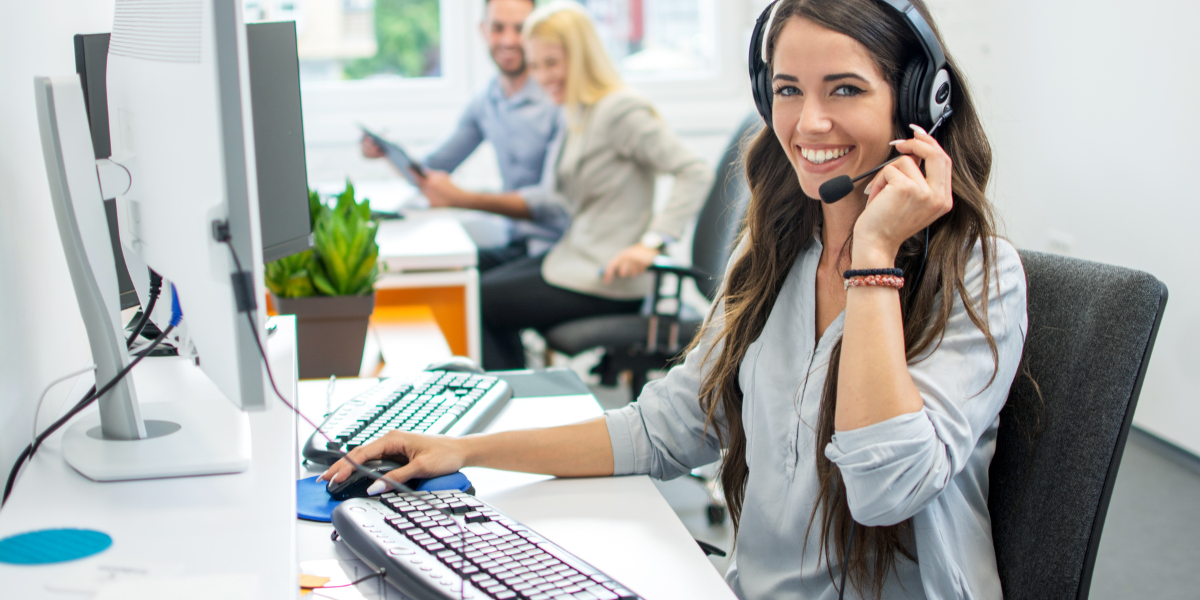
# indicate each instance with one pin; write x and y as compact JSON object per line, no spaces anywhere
{"x":460,"y":364}
{"x":355,"y":486}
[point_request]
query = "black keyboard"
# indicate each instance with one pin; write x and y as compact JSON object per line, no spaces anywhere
{"x":449,"y":402}
{"x":446,"y":545}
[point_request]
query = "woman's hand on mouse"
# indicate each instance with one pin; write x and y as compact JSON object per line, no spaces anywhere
{"x":902,"y":201}
{"x":428,"y":456}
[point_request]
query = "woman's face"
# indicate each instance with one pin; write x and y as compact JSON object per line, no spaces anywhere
{"x":547,"y":63}
{"x":832,"y":109}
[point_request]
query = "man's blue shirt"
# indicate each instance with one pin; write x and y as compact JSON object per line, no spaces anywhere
{"x":519,"y":127}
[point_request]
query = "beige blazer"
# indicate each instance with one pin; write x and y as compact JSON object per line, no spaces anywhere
{"x":605,"y":180}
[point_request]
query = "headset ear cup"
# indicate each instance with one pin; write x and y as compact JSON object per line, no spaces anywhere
{"x":761,"y":89}
{"x":908,"y":97}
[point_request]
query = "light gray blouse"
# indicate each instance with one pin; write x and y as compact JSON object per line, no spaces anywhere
{"x":930,"y":465}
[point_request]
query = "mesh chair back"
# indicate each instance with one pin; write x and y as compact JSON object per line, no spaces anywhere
{"x":1091,"y":329}
{"x":720,"y":220}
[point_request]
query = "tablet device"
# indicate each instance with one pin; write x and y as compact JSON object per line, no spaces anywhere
{"x":397,"y":155}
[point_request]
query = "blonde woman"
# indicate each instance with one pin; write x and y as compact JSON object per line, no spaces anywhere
{"x":601,"y":174}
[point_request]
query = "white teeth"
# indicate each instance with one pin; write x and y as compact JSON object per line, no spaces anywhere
{"x":817,"y":157}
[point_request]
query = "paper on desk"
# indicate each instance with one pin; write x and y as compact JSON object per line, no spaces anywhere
{"x":90,"y":578}
{"x":226,"y":587}
{"x":341,"y":572}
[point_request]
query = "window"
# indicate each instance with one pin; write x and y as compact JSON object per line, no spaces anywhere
{"x":360,"y":39}
{"x":657,"y":38}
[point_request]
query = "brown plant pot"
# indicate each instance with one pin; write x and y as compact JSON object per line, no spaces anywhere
{"x":330,"y":332}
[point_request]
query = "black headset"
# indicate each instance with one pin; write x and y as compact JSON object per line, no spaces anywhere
{"x":924,"y":94}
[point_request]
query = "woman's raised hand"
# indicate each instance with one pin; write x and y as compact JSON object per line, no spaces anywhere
{"x":902,"y":201}
{"x":428,"y":456}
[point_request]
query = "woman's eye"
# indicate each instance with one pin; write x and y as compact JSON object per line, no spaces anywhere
{"x":847,"y":90}
{"x":787,"y":90}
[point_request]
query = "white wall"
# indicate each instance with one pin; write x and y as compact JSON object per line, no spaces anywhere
{"x":41,"y":333}
{"x":1090,"y":107}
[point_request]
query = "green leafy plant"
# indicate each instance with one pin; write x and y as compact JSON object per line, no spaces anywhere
{"x":409,"y":41}
{"x":290,"y":277}
{"x":344,"y":258}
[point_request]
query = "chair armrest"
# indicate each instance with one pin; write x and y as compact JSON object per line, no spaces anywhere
{"x":665,"y":264}
{"x":710,"y":549}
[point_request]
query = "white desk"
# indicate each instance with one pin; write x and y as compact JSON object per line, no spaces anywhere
{"x":430,"y":249}
{"x":621,"y":525}
{"x":233,"y":533}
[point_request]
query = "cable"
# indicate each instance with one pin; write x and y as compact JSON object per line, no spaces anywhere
{"x":378,"y":573}
{"x":87,"y":400}
{"x":155,"y":287}
{"x":38,"y":410}
{"x":221,"y":232}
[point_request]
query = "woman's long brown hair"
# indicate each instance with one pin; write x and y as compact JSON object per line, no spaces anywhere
{"x":780,"y":224}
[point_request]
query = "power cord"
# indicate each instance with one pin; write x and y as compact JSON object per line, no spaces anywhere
{"x":156,"y":281}
{"x":88,"y":399}
{"x":243,"y":284}
{"x":37,"y":411}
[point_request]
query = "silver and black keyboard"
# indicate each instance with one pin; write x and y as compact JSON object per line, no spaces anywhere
{"x":448,"y":545}
{"x":449,"y":402}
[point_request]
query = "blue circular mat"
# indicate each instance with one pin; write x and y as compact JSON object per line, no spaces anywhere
{"x":52,"y":546}
{"x":314,"y":504}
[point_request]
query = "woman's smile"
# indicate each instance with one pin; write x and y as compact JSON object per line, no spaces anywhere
{"x":821,"y":159}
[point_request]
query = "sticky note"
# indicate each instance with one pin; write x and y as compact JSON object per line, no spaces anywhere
{"x":312,"y":581}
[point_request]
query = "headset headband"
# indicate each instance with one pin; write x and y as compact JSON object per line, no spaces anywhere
{"x":770,"y":21}
{"x":917,"y":23}
{"x":924,"y":94}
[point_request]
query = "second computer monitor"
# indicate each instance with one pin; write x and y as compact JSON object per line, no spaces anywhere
{"x":278,"y":136}
{"x":181,"y":124}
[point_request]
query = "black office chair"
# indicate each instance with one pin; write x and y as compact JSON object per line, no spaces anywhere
{"x":1091,"y":329}
{"x":640,"y":343}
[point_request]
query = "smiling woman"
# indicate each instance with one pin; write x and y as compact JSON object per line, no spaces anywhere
{"x":851,"y":374}
{"x":887,"y":389}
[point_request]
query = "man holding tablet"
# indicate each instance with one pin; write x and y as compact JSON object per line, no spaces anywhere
{"x":517,"y":118}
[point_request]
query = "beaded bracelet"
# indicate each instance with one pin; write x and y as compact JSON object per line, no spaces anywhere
{"x":891,"y":281}
{"x":864,"y":272}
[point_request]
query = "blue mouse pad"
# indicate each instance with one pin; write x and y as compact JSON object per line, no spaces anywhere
{"x":314,"y":504}
{"x":52,"y":546}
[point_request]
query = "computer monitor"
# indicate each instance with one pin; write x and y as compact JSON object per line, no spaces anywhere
{"x":182,"y":138}
{"x":278,"y":136}
{"x":279,"y":139}
{"x":91,"y":61}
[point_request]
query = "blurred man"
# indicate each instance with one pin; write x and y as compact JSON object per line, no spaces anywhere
{"x":516,"y":117}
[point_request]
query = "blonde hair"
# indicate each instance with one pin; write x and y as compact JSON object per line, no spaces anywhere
{"x":590,"y":73}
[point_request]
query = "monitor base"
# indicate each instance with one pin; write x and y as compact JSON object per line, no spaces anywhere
{"x":187,"y":438}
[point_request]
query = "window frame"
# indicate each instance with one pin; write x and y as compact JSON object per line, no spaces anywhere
{"x":466,"y":68}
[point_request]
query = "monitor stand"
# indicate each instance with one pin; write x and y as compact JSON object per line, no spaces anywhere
{"x":197,"y":436}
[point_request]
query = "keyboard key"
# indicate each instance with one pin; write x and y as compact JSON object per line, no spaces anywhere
{"x":602,"y":593}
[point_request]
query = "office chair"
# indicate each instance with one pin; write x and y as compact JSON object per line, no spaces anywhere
{"x":649,"y":341}
{"x":1091,"y":329}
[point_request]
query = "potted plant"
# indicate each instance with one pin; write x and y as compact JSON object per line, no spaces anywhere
{"x":330,"y":288}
